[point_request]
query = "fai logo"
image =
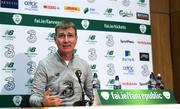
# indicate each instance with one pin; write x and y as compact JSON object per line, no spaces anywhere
{"x":92,"y":56}
{"x":32,"y":36}
{"x":17,"y":100}
{"x":85,"y":24}
{"x":17,"y":18}
{"x":10,"y":51}
{"x":167,"y":95}
{"x":111,"y":69}
{"x":10,"y":85}
{"x":105,"y":95}
{"x":110,"y":40}
{"x":142,"y":28}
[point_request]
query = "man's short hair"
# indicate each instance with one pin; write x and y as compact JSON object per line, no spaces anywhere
{"x":65,"y":24}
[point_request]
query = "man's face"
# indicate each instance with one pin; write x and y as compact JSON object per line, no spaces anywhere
{"x":66,"y":40}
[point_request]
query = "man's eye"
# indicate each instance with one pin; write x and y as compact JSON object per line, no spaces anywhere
{"x":61,"y":36}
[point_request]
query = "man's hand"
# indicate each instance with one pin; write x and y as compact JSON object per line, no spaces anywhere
{"x":49,"y":100}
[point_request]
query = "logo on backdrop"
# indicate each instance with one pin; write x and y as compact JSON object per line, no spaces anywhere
{"x":142,"y":28}
{"x":10,"y":53}
{"x":17,"y":18}
{"x":125,"y":13}
{"x":32,"y":36}
{"x":128,"y":70}
{"x":85,"y":24}
{"x":31,"y":5}
{"x":145,"y":70}
{"x":52,"y":50}
{"x":144,"y":56}
{"x":92,"y":39}
{"x":31,"y":52}
{"x":91,"y":1}
{"x":109,"y":12}
{"x":32,"y":67}
{"x":90,"y":11}
{"x":105,"y":95}
{"x":126,"y":2}
{"x":9,"y":67}
{"x":110,"y":54}
{"x":9,"y":35}
{"x":128,"y":56}
{"x":10,"y":85}
{"x":9,"y":4}
{"x":92,"y":56}
{"x":127,"y":41}
{"x":142,"y":16}
{"x":110,"y":40}
{"x":93,"y":68}
{"x":50,"y":37}
{"x":142,"y":3}
{"x":111,"y":69}
{"x":17,"y":100}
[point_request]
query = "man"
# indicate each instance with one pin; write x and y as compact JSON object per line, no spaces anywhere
{"x":55,"y":81}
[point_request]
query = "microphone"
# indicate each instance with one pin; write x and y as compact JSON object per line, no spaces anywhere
{"x":78,"y":75}
{"x":83,"y":101}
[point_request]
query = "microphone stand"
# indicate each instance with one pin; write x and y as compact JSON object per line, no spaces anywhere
{"x":83,"y":101}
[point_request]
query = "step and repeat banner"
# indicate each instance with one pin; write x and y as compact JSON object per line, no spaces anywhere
{"x":113,"y":36}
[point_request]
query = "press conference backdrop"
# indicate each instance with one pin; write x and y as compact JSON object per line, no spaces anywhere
{"x":113,"y":36}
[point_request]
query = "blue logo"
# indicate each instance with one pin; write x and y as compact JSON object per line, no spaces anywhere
{"x":10,"y":4}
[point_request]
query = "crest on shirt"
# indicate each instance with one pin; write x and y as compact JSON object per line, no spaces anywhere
{"x":68,"y":90}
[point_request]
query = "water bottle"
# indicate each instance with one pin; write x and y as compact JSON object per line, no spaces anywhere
{"x":117,"y":84}
{"x":152,"y":81}
{"x":159,"y":83}
{"x":96,"y":82}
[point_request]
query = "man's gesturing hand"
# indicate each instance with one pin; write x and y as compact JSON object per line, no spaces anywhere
{"x":49,"y":100}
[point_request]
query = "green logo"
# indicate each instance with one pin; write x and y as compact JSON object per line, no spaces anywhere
{"x":116,"y":97}
{"x":9,"y":65}
{"x":31,"y":49}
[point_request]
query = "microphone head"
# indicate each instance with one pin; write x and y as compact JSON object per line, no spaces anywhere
{"x":78,"y":73}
